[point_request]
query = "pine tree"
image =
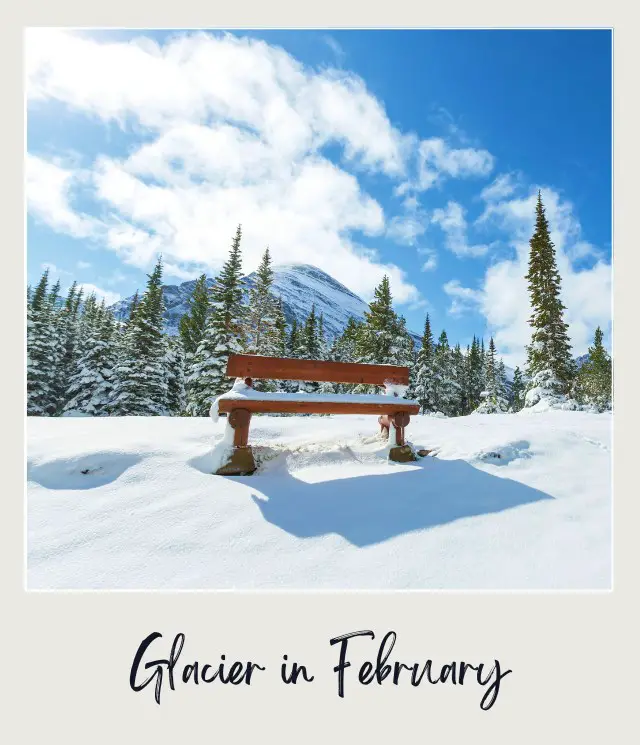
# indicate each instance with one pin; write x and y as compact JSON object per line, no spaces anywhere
{"x":309,"y":348}
{"x":517,"y":390}
{"x":141,"y":378}
{"x":261,"y":332}
{"x":293,"y":341}
{"x":493,"y":400}
{"x":550,"y":366}
{"x":475,"y":375}
{"x":281,"y":330}
{"x":42,"y":351}
{"x":223,"y":335}
{"x":310,"y":342}
{"x":133,"y":308}
{"x":175,"y":370}
{"x":460,"y":378}
{"x":423,"y":390}
{"x":91,"y":383}
{"x":445,"y":385}
{"x":595,"y":376}
{"x":67,"y":330}
{"x":377,"y":334}
{"x":194,"y":321}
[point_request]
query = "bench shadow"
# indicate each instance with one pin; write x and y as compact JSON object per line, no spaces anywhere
{"x":368,"y":509}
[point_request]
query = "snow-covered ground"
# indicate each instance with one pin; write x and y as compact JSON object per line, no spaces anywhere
{"x":131,"y":503}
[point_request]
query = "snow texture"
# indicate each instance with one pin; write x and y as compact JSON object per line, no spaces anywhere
{"x":510,"y":501}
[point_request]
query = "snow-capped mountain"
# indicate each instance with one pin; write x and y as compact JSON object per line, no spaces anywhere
{"x":299,"y":285}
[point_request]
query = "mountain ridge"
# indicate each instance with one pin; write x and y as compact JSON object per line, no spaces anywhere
{"x":299,"y":285}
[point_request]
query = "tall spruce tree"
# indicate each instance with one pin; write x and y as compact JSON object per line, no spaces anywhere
{"x":175,"y":370}
{"x":43,"y":353}
{"x":194,"y":321}
{"x":550,"y":366}
{"x":91,"y":382}
{"x":260,"y":332}
{"x":423,"y":390}
{"x":67,"y":330}
{"x":141,"y":378}
{"x":281,"y":330}
{"x":517,"y":390}
{"x":224,"y":335}
{"x":594,"y":383}
{"x":445,"y":385}
{"x":493,"y":400}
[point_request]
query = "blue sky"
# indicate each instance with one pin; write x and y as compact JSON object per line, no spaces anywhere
{"x":416,"y":153}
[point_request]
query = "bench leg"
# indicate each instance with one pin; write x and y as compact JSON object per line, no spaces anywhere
{"x":241,"y":462}
{"x":384,"y":423}
{"x":401,"y":453}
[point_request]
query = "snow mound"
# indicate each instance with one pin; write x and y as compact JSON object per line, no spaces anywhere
{"x":83,"y":472}
{"x":502,"y":456}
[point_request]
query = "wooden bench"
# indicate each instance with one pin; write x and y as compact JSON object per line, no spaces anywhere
{"x":240,"y":404}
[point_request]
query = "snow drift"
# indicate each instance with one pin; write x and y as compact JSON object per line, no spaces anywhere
{"x":509,"y":501}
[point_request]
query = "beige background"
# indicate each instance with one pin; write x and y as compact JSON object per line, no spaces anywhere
{"x":66,"y":656}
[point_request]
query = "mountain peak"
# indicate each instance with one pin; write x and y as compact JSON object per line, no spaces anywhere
{"x":299,"y":285}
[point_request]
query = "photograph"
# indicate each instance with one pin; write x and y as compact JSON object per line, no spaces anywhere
{"x":318,"y":309}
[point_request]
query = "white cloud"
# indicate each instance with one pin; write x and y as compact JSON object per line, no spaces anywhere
{"x":437,"y":160}
{"x":452,"y":221}
{"x":83,"y":265}
{"x":109,"y":297}
{"x":503,"y":186}
{"x":461,"y":297}
{"x":233,"y":134}
{"x":406,"y":229}
{"x":430,"y":258}
{"x":48,"y":188}
{"x":503,"y":294}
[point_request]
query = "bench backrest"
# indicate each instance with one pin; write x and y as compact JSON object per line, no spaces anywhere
{"x":281,"y":368}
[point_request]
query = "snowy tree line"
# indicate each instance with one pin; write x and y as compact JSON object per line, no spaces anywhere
{"x":81,"y":360}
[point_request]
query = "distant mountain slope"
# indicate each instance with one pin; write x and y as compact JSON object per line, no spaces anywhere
{"x":299,"y":285}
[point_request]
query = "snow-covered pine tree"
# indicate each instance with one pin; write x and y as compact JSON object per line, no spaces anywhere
{"x":293,"y":339}
{"x":175,"y":369}
{"x":194,"y":321}
{"x":492,"y":400}
{"x":445,"y":385}
{"x":91,"y":382}
{"x":594,"y":380}
{"x":475,"y":375}
{"x":141,"y":379}
{"x":460,"y":377}
{"x":324,"y":354}
{"x":224,"y":335}
{"x":260,"y":328}
{"x":345,"y":349}
{"x":503,"y":387}
{"x":377,"y":337}
{"x":42,"y":351}
{"x":281,"y":330}
{"x":517,"y":390}
{"x":309,"y":348}
{"x":550,"y":366}
{"x":67,"y":330}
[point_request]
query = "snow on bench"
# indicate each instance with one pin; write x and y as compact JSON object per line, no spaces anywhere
{"x":242,"y":400}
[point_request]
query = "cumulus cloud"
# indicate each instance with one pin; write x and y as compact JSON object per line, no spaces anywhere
{"x":437,"y":160}
{"x":502,"y":296}
{"x":503,"y":186}
{"x":108,"y":296}
{"x":452,"y":221}
{"x":49,"y":189}
{"x":234,"y":131}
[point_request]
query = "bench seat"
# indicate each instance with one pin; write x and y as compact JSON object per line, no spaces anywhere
{"x":314,"y":403}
